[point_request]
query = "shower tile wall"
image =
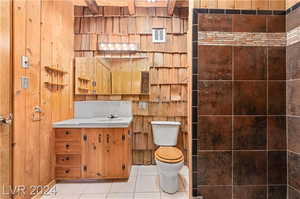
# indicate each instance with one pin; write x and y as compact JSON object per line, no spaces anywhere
{"x":239,"y":139}
{"x":293,"y":103}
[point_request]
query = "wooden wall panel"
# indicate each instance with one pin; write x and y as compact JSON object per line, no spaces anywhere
{"x":167,"y":63}
{"x":43,"y":31}
{"x":19,"y":106}
{"x":290,"y":3}
{"x":242,"y":4}
{"x":5,"y":94}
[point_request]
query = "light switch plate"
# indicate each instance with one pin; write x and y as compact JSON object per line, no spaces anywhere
{"x":25,"y":62}
{"x":24,"y":82}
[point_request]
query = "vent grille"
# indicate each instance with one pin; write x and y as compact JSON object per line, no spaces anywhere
{"x":158,"y":35}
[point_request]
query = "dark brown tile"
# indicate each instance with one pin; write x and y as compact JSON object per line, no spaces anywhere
{"x":249,"y":23}
{"x":294,"y":170}
{"x":215,"y":62}
{"x":209,"y":170}
{"x":293,"y":97}
{"x":250,"y":98}
{"x":215,"y":192}
{"x":250,"y":133}
{"x":250,"y":168}
{"x":277,"y":63}
{"x":215,"y":98}
{"x":294,"y":194}
{"x":277,"y":97}
{"x":293,"y":61}
{"x":277,"y":133}
{"x":215,"y":22}
{"x":294,"y":134}
{"x":253,"y":192}
{"x":277,"y":192}
{"x":250,"y":63}
{"x":211,"y":136}
{"x":276,"y":23}
{"x":277,"y":167}
{"x":292,"y":20}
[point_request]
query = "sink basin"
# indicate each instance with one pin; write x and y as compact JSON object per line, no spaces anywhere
{"x":96,"y":120}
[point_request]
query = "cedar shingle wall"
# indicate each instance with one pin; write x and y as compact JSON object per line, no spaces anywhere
{"x":167,"y":62}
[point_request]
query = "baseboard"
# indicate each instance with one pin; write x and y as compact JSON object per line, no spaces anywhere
{"x":40,"y":194}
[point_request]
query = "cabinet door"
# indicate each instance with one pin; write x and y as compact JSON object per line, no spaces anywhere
{"x":92,"y":153}
{"x":114,"y":153}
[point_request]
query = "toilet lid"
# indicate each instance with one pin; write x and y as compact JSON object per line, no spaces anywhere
{"x":169,"y":154}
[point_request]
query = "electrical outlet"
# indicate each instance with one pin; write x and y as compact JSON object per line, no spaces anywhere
{"x":25,"y":62}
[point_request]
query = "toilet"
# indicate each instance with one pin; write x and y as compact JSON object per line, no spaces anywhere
{"x":169,"y":159}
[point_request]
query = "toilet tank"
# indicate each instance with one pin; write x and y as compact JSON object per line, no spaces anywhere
{"x":165,"y":133}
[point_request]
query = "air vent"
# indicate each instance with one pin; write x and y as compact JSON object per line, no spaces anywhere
{"x":158,"y":35}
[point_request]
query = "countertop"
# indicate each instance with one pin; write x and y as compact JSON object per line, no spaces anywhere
{"x":98,"y":122}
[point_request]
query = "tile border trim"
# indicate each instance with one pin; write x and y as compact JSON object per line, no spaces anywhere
{"x":247,"y":12}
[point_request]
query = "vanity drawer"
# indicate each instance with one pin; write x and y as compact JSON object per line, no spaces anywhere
{"x":68,"y":160}
{"x":68,"y":147}
{"x":67,"y":172}
{"x":68,"y":134}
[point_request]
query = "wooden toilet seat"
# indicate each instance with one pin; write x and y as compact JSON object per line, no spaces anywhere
{"x":169,"y":155}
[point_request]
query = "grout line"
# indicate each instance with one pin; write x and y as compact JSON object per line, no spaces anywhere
{"x":232,"y":121}
{"x":267,"y":133}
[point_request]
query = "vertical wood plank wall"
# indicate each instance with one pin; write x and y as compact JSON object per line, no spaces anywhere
{"x":242,"y":4}
{"x":167,"y":62}
{"x":43,"y":31}
{"x":5,"y":94}
{"x":290,"y":3}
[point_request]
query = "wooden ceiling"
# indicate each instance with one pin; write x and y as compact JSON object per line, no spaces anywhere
{"x":132,"y":4}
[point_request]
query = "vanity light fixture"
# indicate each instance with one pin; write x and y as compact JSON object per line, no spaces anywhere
{"x":118,"y":47}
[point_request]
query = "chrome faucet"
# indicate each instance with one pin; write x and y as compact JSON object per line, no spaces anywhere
{"x":112,"y":116}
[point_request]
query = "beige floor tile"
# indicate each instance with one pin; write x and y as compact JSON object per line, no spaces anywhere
{"x":147,"y":184}
{"x":97,"y":188}
{"x":66,"y":196}
{"x":147,"y":196}
{"x":120,"y":196}
{"x":150,"y":170}
{"x":177,"y":195}
{"x":70,"y":188}
{"x":122,"y":187}
{"x":184,"y":171}
{"x":93,"y":196}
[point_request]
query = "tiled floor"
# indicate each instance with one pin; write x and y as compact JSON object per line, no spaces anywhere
{"x":142,"y":184}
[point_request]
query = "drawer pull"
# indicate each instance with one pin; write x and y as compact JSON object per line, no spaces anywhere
{"x":99,"y":138}
{"x":67,"y":133}
{"x":107,"y":138}
{"x":67,"y":171}
{"x":67,"y":145}
{"x":98,"y":174}
{"x":67,"y":158}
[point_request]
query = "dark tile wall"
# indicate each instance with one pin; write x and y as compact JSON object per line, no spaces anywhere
{"x":293,"y":108}
{"x":239,"y":112}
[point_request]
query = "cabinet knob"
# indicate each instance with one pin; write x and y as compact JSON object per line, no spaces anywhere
{"x":67,"y":133}
{"x":67,"y":171}
{"x":107,"y":138}
{"x":67,"y":145}
{"x":99,"y":138}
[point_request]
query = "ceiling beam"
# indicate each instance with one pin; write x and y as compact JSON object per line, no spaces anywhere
{"x":138,"y":3}
{"x":171,"y":7}
{"x":93,"y":6}
{"x":131,"y":7}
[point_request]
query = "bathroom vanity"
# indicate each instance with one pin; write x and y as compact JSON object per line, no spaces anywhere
{"x":96,"y":143}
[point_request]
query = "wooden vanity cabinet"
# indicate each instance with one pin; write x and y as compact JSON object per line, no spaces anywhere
{"x":93,"y":153}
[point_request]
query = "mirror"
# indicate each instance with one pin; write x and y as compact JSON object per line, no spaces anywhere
{"x":111,"y":75}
